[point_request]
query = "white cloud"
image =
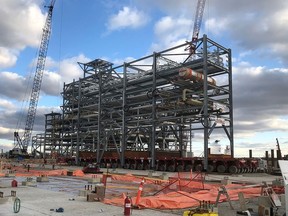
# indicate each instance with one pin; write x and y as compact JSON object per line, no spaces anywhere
{"x":7,"y":57}
{"x":215,"y":26}
{"x":52,"y":80}
{"x":4,"y":130}
{"x":8,"y":79}
{"x":260,"y":27}
{"x":52,"y":83}
{"x":260,"y":103}
{"x":21,"y":23}
{"x":171,"y":28}
{"x":249,"y":70}
{"x":127,"y":18}
{"x":169,"y":32}
{"x":6,"y":104}
{"x":69,"y":69}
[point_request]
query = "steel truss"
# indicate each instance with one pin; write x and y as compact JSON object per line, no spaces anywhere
{"x":149,"y":104}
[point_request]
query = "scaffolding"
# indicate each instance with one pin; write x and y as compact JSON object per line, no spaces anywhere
{"x":147,"y":105}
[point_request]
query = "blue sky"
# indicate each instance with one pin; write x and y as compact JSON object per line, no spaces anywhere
{"x":118,"y":31}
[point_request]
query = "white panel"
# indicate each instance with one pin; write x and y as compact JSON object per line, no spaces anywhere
{"x":284,"y":169}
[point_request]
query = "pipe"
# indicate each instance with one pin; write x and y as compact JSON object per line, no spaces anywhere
{"x":188,"y":73}
{"x":189,"y":100}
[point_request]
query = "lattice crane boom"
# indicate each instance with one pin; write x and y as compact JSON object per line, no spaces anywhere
{"x":197,"y":25}
{"x":34,"y":97}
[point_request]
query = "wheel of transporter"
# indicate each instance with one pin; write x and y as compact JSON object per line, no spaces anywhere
{"x":180,"y":168}
{"x":147,"y":166}
{"x":240,"y":170}
{"x":126,"y":166}
{"x":221,"y":168}
{"x":162,"y":168}
{"x":140,"y":166}
{"x":133,"y":166}
{"x":233,"y":169}
{"x":210,"y":168}
{"x":171,"y":168}
{"x":198,"y":168}
{"x":188,"y":168}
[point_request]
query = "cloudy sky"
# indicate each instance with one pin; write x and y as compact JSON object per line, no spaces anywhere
{"x":119,"y":31}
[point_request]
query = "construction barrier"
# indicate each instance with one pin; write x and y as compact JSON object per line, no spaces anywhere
{"x":180,"y":192}
{"x":184,"y":190}
{"x":140,"y":189}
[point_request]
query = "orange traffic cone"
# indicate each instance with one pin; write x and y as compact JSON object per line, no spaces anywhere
{"x":139,"y":192}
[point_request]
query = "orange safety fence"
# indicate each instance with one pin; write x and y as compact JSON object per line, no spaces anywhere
{"x":183,"y":199}
{"x":126,"y":178}
{"x":192,"y":184}
{"x":23,"y":171}
{"x":179,"y":192}
{"x":184,"y":190}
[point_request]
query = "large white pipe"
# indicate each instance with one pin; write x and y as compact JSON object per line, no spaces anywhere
{"x":190,"y":100}
{"x":188,"y":73}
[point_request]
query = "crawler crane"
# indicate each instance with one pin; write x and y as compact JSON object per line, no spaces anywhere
{"x":21,"y":143}
{"x":197,"y":25}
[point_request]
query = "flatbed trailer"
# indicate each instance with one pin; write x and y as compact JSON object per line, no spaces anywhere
{"x":170,"y":161}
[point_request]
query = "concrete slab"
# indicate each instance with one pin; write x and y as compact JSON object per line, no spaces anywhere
{"x":36,"y":201}
{"x":63,"y":192}
{"x":46,"y":199}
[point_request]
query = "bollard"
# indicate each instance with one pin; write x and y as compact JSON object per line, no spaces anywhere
{"x":140,"y":189}
{"x":104,"y":179}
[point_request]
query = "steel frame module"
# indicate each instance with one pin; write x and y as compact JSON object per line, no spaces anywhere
{"x":147,"y":105}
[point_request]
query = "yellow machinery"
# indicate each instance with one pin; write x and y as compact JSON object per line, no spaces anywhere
{"x":205,"y":209}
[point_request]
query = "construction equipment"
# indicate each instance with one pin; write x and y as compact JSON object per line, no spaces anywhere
{"x":197,"y":25}
{"x":279,"y":154}
{"x":92,"y":168}
{"x":205,"y":209}
{"x":275,"y":170}
{"x":21,"y":144}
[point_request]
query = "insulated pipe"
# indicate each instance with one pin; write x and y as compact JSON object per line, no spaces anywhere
{"x":188,"y":73}
{"x":190,"y":101}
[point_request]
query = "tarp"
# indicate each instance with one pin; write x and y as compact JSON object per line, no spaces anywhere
{"x":184,"y":190}
{"x":183,"y":199}
{"x":180,"y":192}
{"x":22,"y":171}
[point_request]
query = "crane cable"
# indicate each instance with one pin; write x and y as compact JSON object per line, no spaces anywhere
{"x":60,"y":52}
